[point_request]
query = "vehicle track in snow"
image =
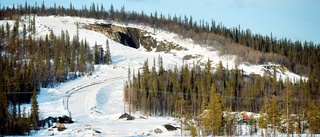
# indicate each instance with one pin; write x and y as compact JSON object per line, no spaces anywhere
{"x":70,"y":92}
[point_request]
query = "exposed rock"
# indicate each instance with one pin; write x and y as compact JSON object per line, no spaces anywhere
{"x":188,"y":57}
{"x":133,"y":37}
{"x":96,"y":131}
{"x":158,"y":131}
{"x":60,"y":126}
{"x":126,"y":116}
{"x":65,"y":119}
{"x":170,"y":127}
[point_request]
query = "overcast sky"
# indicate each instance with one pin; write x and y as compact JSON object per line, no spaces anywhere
{"x":294,"y":19}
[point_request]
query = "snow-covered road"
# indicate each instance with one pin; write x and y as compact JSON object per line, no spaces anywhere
{"x":96,"y":98}
{"x":89,"y":94}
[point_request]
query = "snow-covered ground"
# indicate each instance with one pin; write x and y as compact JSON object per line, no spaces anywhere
{"x":98,"y":99}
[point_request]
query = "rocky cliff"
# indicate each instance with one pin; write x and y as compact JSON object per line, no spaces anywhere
{"x":133,"y":37}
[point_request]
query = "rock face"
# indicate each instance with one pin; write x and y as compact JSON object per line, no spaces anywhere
{"x":133,"y":37}
{"x":126,"y":116}
{"x":170,"y":127}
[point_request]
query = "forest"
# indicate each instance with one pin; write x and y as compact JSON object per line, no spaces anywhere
{"x":28,"y":63}
{"x":165,"y":92}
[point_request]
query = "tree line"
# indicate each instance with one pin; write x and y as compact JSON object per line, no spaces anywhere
{"x":159,"y":92}
{"x":300,"y":57}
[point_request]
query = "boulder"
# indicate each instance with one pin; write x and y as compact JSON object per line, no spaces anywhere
{"x":170,"y":127}
{"x":126,"y":116}
{"x":60,"y":126}
{"x":158,"y":131}
{"x":65,"y":119}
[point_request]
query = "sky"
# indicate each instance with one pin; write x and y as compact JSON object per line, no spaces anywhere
{"x":293,"y":19}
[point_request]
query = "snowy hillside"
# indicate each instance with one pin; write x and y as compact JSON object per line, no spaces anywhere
{"x":98,"y":99}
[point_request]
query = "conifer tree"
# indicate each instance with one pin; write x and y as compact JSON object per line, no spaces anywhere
{"x":263,"y":119}
{"x":96,"y":54}
{"x":122,"y":15}
{"x":89,"y":60}
{"x":313,"y":117}
{"x":274,"y":81}
{"x":3,"y":112}
{"x":35,"y":110}
{"x":77,"y":33}
{"x":108,"y":59}
{"x":61,"y":70}
{"x":193,"y":130}
{"x":33,"y":25}
{"x":213,"y":119}
{"x":274,"y":114}
{"x":82,"y":59}
{"x":229,"y":123}
{"x":289,"y":106}
{"x":112,"y":13}
{"x":73,"y":55}
{"x":145,"y":88}
{"x":153,"y":89}
{"x":67,"y":52}
{"x":7,"y":31}
{"x":126,"y":97}
{"x":24,"y":38}
{"x":181,"y":111}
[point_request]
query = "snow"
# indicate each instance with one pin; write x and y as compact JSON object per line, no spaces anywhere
{"x":98,"y":99}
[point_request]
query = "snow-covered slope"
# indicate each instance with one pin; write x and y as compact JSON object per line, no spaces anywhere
{"x":98,"y":99}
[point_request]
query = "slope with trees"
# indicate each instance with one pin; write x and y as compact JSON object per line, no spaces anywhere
{"x":159,"y":93}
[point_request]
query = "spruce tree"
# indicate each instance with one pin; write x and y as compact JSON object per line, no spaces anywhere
{"x":35,"y":110}
{"x":213,"y":119}
{"x":33,"y":25}
{"x":289,"y":106}
{"x":274,"y":114}
{"x":181,"y":111}
{"x":3,"y":112}
{"x":73,"y":55}
{"x":229,"y":122}
{"x":153,"y":89}
{"x":82,"y":59}
{"x":144,"y":87}
{"x":89,"y":59}
{"x":101,"y":55}
{"x":193,"y":130}
{"x":313,"y":117}
{"x":108,"y":59}
{"x":7,"y":31}
{"x":112,"y":13}
{"x":263,"y":119}
{"x":24,"y":39}
{"x":96,"y":54}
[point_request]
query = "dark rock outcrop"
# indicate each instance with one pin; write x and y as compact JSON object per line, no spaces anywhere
{"x":126,"y":116}
{"x":65,"y":119}
{"x":170,"y":127}
{"x":133,"y":37}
